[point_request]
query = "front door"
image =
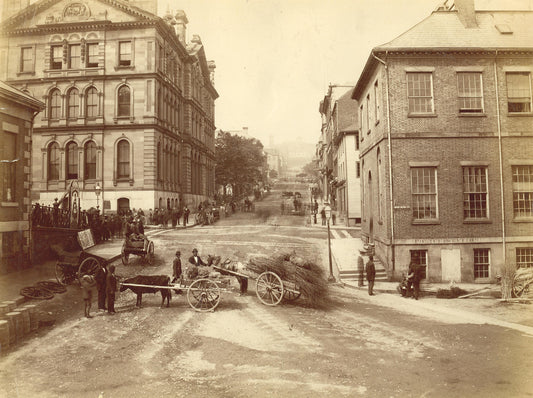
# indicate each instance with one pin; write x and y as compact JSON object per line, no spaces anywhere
{"x":450,"y":260}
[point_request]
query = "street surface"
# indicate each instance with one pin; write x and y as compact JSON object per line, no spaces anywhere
{"x":349,"y":347}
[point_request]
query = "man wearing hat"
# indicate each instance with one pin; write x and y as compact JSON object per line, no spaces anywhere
{"x":195,"y":258}
{"x":361,"y":266}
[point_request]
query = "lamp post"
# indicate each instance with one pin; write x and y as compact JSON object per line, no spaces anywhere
{"x":327,"y":210}
{"x":97,"y":191}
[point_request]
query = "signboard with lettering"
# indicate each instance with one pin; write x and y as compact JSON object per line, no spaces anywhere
{"x":85,"y":239}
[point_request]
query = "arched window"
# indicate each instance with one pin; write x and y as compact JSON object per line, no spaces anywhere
{"x":124,"y":100}
{"x":73,"y":108}
{"x":123,"y":159}
{"x":55,"y":104}
{"x":72,"y":161}
{"x":91,"y":102}
{"x":90,"y":160}
{"x":53,"y":161}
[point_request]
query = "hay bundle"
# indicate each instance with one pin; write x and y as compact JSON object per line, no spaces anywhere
{"x":307,"y":276}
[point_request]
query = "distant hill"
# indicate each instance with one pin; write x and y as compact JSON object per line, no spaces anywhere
{"x":296,"y":153}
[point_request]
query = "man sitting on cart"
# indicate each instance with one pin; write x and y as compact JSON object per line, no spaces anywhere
{"x":195,"y":258}
{"x":132,"y":231}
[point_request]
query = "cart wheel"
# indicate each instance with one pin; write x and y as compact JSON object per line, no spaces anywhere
{"x":53,"y":287}
{"x":89,"y":266}
{"x":291,"y":295}
{"x":203,"y":295}
{"x":150,"y":253}
{"x":269,"y":288}
{"x":61,"y":276}
{"x":520,"y":287}
{"x":38,"y":293}
{"x":124,"y":256}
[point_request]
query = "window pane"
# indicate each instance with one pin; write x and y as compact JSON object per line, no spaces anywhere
{"x":124,"y":101}
{"x":475,"y":192}
{"x":470,"y":92}
{"x":481,"y":263}
{"x":56,"y":61}
{"x":424,"y":193}
{"x":92,"y":102}
{"x":123,"y":155}
{"x":26,"y":61}
{"x":74,"y":56}
{"x":73,"y":104}
{"x":8,"y":167}
{"x":90,"y":160}
{"x":419,"y":92}
{"x":55,"y":105}
{"x":524,"y":257}
{"x":53,"y":161}
{"x":125,"y":53}
{"x":519,"y":92}
{"x":92,"y":55}
{"x":523,"y":191}
{"x":72,"y":161}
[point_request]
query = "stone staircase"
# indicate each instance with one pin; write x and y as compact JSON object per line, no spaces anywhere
{"x":353,"y":274}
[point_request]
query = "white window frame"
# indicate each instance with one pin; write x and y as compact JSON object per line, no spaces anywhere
{"x":507,"y":74}
{"x":467,"y":192}
{"x":416,"y":194}
{"x":465,"y":96}
{"x":482,"y":264}
{"x":430,"y":97}
{"x":522,"y":191}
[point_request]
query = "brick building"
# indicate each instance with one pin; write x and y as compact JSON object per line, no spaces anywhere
{"x":446,"y":138}
{"x":17,"y":111}
{"x":129,"y":102}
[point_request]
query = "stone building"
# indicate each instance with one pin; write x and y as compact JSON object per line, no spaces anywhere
{"x":446,"y":139}
{"x":129,"y":102}
{"x":17,"y":111}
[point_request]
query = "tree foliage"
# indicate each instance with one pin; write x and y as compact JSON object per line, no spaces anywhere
{"x":240,"y":162}
{"x":311,"y":170}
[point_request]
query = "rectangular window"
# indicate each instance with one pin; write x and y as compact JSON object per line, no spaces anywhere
{"x":475,"y":192}
{"x":74,"y":56}
{"x":518,"y":92}
{"x":56,"y":57}
{"x":356,"y":141}
{"x":470,"y":92}
{"x":420,"y":92}
{"x":92,"y":55}
{"x":358,"y":169}
{"x":9,"y":167}
{"x":377,"y":98}
{"x":523,"y":191}
{"x":367,"y":114}
{"x":481,"y":263}
{"x":524,"y":257}
{"x":26,"y":59}
{"x":424,"y":193}
{"x":361,"y":123}
{"x":124,"y":53}
{"x":420,"y":258}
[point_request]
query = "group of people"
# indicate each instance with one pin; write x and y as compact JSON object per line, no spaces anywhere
{"x":105,"y":283}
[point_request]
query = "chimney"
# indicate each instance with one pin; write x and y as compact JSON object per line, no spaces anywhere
{"x":466,"y":12}
{"x":12,"y":7}
{"x":181,"y":26}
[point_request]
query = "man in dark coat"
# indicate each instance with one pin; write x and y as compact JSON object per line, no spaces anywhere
{"x":101,"y":276}
{"x":111,"y":288}
{"x":370,"y":274}
{"x":361,"y":267}
{"x":195,"y":258}
{"x":414,"y":277}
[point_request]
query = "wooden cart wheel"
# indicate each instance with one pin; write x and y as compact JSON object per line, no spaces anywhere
{"x":89,"y":266}
{"x":203,"y":295}
{"x":61,"y":276}
{"x":520,"y":287}
{"x":291,"y":295}
{"x":34,"y":292}
{"x":269,"y":288}
{"x":150,"y":253}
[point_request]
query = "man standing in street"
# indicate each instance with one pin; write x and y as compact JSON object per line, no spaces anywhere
{"x":370,"y":274}
{"x":361,"y":267}
{"x":111,"y":288}
{"x":101,"y":276}
{"x":186,"y":212}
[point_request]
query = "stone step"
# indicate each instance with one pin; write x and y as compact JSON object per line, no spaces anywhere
{"x":381,"y":275}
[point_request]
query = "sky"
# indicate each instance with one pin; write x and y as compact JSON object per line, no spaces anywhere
{"x":276,"y":58}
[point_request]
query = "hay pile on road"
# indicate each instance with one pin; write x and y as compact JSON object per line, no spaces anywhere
{"x":306,"y":275}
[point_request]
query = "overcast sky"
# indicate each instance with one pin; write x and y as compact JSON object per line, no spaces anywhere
{"x":276,"y":58}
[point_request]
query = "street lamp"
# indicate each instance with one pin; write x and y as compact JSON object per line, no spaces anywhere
{"x":97,"y":191}
{"x":327,"y":210}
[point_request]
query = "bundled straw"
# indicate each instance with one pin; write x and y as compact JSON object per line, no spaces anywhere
{"x":306,"y":275}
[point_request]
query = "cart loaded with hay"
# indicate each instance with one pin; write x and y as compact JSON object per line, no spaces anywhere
{"x":281,"y":277}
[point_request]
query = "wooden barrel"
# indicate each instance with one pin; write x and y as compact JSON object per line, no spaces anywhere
{"x":4,"y":335}
{"x":15,"y":326}
{"x":25,"y":319}
{"x":11,"y":305}
{"x":34,"y":319}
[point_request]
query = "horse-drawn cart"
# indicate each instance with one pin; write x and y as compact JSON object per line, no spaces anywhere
{"x":522,"y":280}
{"x":138,"y":245}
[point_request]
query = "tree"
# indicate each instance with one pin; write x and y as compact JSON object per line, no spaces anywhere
{"x":240,"y":162}
{"x":311,"y":170}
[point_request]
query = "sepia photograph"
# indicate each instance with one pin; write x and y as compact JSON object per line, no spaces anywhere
{"x":266,"y":198}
